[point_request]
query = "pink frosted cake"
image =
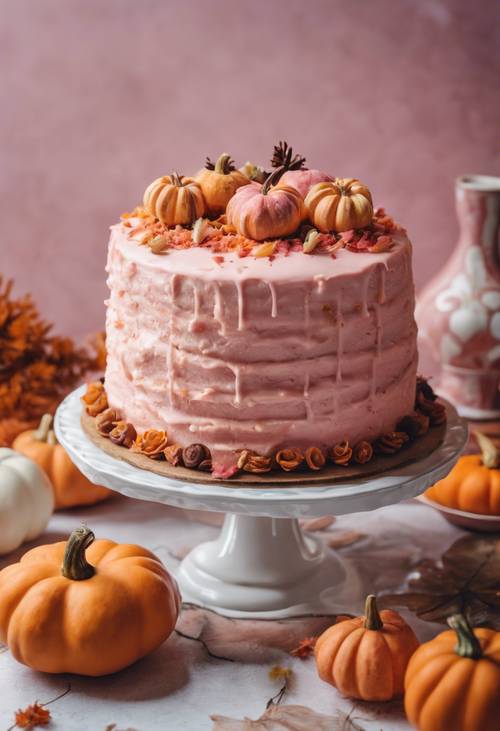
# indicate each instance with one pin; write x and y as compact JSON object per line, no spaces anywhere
{"x":283,"y":318}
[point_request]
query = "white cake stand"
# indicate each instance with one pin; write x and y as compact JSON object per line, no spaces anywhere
{"x":262,"y":564}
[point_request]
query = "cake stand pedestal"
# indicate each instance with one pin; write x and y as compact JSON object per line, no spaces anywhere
{"x":262,"y":565}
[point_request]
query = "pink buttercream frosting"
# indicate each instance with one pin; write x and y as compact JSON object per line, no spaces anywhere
{"x":258,"y":353}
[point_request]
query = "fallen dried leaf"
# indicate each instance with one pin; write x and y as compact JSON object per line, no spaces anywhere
{"x":464,"y":580}
{"x":34,"y":715}
{"x":283,"y":718}
{"x":305,"y":648}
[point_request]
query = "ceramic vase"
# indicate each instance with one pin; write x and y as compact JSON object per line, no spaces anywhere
{"x":458,"y":313}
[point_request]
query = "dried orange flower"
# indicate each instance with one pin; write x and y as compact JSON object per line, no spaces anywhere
{"x":305,"y":648}
{"x":362,"y":452}
{"x":95,"y":398}
{"x":123,"y":434}
{"x":289,"y":459}
{"x":255,"y":463}
{"x":151,"y":443}
{"x":106,"y":421}
{"x":315,"y":458}
{"x":341,"y":453}
{"x":391,"y":442}
{"x":173,"y":455}
{"x":35,"y":715}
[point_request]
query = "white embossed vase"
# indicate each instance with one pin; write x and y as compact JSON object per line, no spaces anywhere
{"x":458,"y":313}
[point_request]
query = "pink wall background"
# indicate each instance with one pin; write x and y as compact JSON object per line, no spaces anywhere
{"x":99,"y":97}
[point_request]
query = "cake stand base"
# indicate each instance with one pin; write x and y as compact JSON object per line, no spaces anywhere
{"x":263,"y":567}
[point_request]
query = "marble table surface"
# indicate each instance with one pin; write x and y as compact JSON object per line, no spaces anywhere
{"x":178,"y":687}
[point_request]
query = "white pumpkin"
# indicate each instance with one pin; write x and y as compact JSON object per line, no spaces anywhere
{"x":26,"y":500}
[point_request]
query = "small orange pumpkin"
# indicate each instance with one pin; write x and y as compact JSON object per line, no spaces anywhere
{"x":71,"y":488}
{"x":473,"y":484}
{"x":341,"y":205}
{"x":174,"y":199}
{"x":366,"y":657}
{"x":455,"y":686}
{"x":73,"y":607}
{"x":219,"y":182}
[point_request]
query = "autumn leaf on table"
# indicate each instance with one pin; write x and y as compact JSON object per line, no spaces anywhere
{"x":465,"y":580}
{"x":305,"y":648}
{"x":286,"y":718}
{"x":32,"y":716}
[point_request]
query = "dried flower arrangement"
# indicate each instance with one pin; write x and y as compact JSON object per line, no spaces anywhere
{"x":154,"y":443}
{"x":37,"y":369}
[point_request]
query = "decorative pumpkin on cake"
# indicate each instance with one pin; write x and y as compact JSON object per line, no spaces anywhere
{"x":26,"y":500}
{"x":272,"y":210}
{"x":341,"y":205}
{"x":219,"y":181}
{"x":452,"y":683}
{"x":473,"y":485}
{"x":71,"y":487}
{"x":175,"y":199}
{"x":86,"y":607}
{"x":366,"y":657}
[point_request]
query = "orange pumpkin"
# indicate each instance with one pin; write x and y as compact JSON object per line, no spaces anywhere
{"x":264,"y":212}
{"x":453,"y":682}
{"x":366,"y":657}
{"x":473,"y":484}
{"x":73,"y":607}
{"x":174,"y":199}
{"x":219,"y":182}
{"x":341,"y":205}
{"x":71,"y":488}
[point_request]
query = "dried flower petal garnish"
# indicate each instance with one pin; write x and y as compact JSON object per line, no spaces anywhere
{"x":424,"y":390}
{"x":95,"y":398}
{"x":206,"y":465}
{"x":311,"y":241}
{"x":158,"y":245}
{"x":224,"y":472}
{"x":106,"y":421}
{"x":194,"y":455}
{"x":266,"y":249}
{"x":435,"y":410}
{"x":289,"y":459}
{"x":341,"y":453}
{"x":315,"y":458}
{"x":201,"y":228}
{"x":152,"y":443}
{"x":391,"y":442}
{"x":123,"y":434}
{"x":305,"y":648}
{"x":410,"y":425}
{"x":173,"y":455}
{"x":362,"y":452}
{"x":255,"y":463}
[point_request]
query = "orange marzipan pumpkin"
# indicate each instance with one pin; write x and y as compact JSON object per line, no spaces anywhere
{"x":453,"y":682}
{"x":71,"y":487}
{"x":86,"y":607}
{"x":366,"y":657}
{"x":219,"y":182}
{"x":174,"y":199}
{"x":341,"y":205}
{"x":473,"y":484}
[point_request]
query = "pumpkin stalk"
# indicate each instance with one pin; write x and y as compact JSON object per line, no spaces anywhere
{"x":224,"y":165}
{"x":176,"y":179}
{"x":490,"y":455}
{"x":468,"y":645}
{"x":75,"y":566}
{"x":273,"y":179}
{"x":44,"y":428}
{"x":372,"y":617}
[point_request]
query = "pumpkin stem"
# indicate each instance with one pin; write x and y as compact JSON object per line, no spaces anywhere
{"x":75,"y":566}
{"x":372,"y":617}
{"x":489,"y":453}
{"x":42,"y":433}
{"x":272,"y":179}
{"x":176,"y":179}
{"x":224,"y":164}
{"x":468,"y":645}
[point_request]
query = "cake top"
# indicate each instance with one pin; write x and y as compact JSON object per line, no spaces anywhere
{"x":251,"y":212}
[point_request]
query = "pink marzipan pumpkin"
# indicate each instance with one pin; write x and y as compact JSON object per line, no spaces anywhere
{"x":303,"y":180}
{"x":262,"y":212}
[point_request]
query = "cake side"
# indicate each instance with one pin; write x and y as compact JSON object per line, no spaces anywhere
{"x":260,"y":353}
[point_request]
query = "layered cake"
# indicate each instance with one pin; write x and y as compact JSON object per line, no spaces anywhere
{"x":252,"y":317}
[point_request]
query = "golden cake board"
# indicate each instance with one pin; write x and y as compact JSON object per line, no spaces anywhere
{"x":413,"y":452}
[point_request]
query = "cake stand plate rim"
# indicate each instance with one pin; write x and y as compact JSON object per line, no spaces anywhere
{"x":287,"y":502}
